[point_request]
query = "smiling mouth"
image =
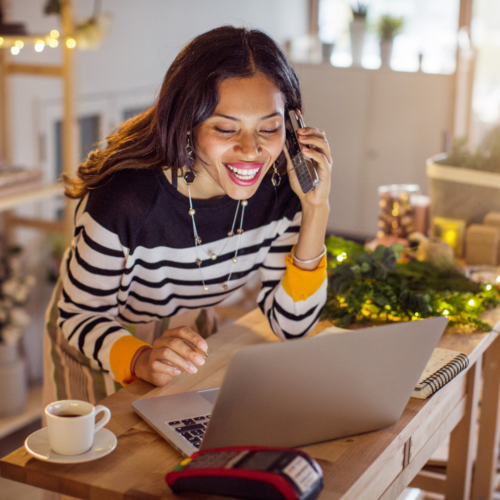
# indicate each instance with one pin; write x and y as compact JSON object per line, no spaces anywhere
{"x":244,"y":174}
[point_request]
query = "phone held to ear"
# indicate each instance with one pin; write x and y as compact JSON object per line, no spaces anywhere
{"x":252,"y":472}
{"x":304,"y":167}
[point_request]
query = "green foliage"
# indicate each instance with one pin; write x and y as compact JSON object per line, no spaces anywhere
{"x":389,"y":26}
{"x":486,"y":157}
{"x":52,"y":7}
{"x":373,"y":287}
{"x":359,"y":10}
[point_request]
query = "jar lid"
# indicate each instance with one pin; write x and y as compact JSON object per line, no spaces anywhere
{"x":395,"y":189}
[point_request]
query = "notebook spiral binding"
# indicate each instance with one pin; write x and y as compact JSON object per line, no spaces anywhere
{"x":437,"y":380}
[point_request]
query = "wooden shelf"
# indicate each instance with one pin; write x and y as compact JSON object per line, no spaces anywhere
{"x":48,"y":191}
{"x":32,"y":412}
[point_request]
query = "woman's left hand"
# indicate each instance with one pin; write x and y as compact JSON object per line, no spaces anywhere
{"x":314,"y":146}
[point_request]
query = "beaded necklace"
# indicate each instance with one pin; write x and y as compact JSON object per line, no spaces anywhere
{"x":188,"y":179}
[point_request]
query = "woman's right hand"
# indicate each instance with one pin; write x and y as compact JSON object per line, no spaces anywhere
{"x":171,"y":354}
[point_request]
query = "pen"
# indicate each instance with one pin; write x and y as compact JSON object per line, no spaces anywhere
{"x":197,"y":349}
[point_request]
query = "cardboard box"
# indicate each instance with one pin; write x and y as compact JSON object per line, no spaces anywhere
{"x":482,"y":245}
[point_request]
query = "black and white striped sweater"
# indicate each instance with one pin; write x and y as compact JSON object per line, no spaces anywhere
{"x":133,"y":261}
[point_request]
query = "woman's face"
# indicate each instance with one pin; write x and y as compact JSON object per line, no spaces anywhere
{"x":241,"y":140}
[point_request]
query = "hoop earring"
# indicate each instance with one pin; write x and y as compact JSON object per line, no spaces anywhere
{"x":276,"y":177}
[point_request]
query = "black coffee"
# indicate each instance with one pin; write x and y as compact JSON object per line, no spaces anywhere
{"x":68,"y":415}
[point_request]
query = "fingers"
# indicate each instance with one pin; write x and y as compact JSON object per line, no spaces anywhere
{"x":188,"y":335}
{"x":178,"y":357}
{"x":161,"y":366}
{"x":317,"y":156}
{"x":316,"y":138}
{"x":180,"y":348}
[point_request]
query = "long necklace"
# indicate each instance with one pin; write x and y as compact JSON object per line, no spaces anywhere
{"x":213,"y":255}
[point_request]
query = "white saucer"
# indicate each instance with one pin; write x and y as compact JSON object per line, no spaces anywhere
{"x":37,"y":445}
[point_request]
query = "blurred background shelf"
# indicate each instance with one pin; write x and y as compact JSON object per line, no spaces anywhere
{"x":37,"y":194}
{"x":32,"y":412}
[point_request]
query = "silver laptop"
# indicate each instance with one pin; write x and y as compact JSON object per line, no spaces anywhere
{"x":303,"y":391}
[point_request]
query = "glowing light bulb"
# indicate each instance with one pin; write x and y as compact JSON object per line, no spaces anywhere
{"x":1,"y":40}
{"x":71,"y":43}
{"x":53,"y":43}
{"x":15,"y":50}
{"x":19,"y":44}
{"x":39,"y":45}
{"x":488,"y":287}
{"x":340,"y":258}
{"x":446,"y":312}
{"x":471,"y":302}
{"x":54,"y":34}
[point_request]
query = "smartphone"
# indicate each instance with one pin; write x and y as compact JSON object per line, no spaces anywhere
{"x":304,"y":167}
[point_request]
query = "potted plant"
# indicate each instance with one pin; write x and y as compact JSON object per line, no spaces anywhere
{"x":357,"y":30}
{"x":388,"y":27}
{"x":465,"y":183}
{"x":14,"y":289}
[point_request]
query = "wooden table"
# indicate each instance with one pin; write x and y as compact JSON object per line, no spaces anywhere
{"x":368,"y":466}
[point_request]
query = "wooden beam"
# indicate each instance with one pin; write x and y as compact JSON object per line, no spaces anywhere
{"x":34,"y":69}
{"x":464,"y":78}
{"x":5,"y":147}
{"x":40,"y":224}
{"x":49,"y":191}
{"x":418,"y":461}
{"x":71,"y":145}
{"x":429,"y":481}
{"x":463,"y":441}
{"x":489,"y":431}
{"x":465,"y":14}
{"x":314,"y":18}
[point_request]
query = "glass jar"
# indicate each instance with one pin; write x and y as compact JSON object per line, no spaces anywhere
{"x":396,"y":215}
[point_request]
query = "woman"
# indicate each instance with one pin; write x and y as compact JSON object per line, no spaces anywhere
{"x":187,"y":202}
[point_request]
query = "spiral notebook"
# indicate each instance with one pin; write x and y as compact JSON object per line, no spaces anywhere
{"x":443,"y":366}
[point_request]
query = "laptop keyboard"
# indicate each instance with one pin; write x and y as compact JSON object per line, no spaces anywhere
{"x":191,"y":429}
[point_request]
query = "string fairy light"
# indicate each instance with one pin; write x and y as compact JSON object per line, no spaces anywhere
{"x":15,"y":43}
{"x":39,"y":45}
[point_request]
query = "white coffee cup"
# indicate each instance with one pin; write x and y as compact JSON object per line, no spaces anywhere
{"x":71,"y":425}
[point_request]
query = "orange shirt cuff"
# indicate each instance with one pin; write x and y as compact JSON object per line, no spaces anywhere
{"x":120,"y":358}
{"x":300,"y":284}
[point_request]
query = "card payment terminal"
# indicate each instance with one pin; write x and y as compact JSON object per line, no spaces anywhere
{"x":249,"y":472}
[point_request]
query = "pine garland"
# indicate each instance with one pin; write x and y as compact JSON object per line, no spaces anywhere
{"x":366,"y":286}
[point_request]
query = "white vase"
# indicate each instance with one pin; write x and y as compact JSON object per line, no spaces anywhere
{"x":13,"y":386}
{"x":326,"y":52}
{"x":357,"y":29}
{"x":385,"y":53}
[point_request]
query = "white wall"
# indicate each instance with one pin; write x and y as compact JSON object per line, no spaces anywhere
{"x":126,"y":71}
{"x":381,"y":125}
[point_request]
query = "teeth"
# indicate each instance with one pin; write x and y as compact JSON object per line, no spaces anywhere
{"x":244,"y":174}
